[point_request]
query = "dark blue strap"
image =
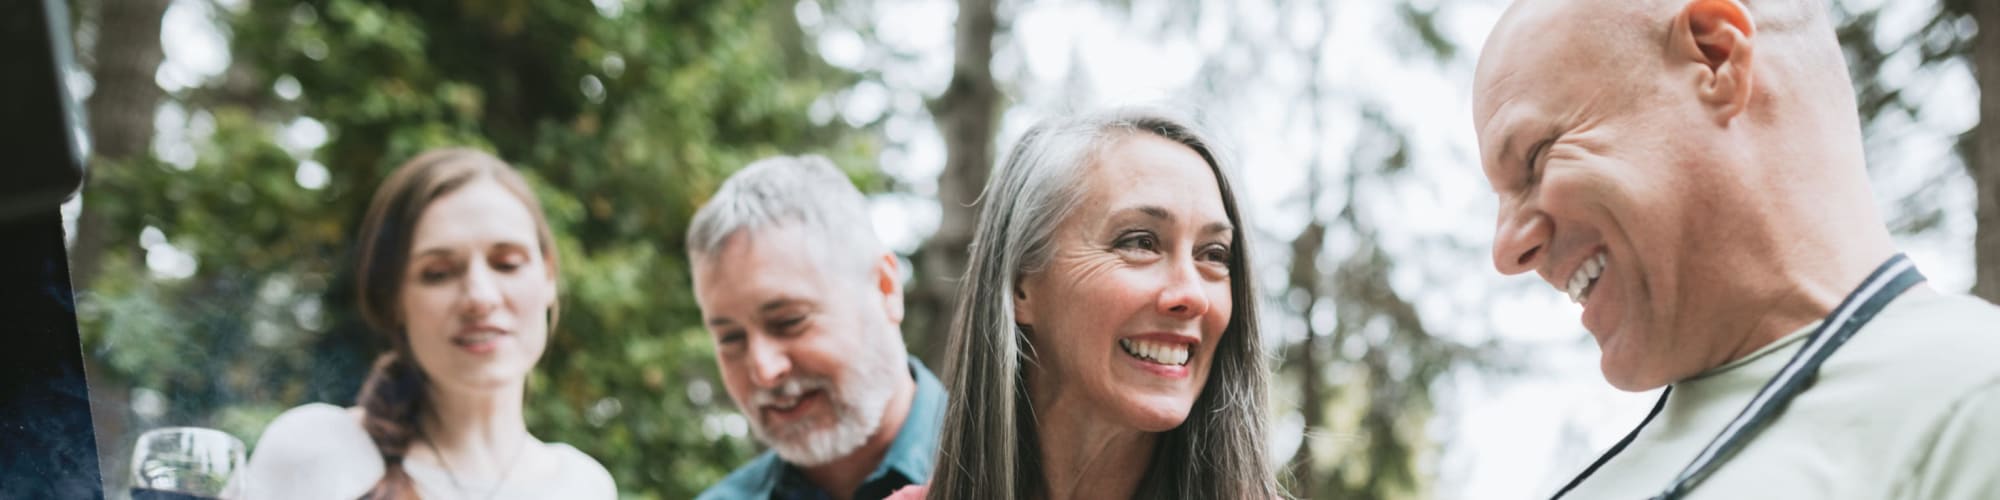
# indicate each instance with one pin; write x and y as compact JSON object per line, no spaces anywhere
{"x":1662,"y":403}
{"x":1884,"y":285}
{"x":1888,"y":281}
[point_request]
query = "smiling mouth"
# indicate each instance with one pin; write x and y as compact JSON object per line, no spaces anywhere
{"x":1584,"y":280}
{"x":476,"y":338}
{"x":786,"y":407}
{"x":1165,"y":353}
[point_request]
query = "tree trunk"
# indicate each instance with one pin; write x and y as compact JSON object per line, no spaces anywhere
{"x":967,"y":116}
{"x":1984,"y":165}
{"x":1312,"y":405}
{"x":127,"y":55}
{"x":121,"y":109}
{"x":1305,"y":277}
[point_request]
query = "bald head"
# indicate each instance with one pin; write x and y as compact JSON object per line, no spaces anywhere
{"x":1611,"y":42}
{"x":1688,"y":170}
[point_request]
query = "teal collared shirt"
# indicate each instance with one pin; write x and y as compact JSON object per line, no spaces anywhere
{"x":908,"y":461}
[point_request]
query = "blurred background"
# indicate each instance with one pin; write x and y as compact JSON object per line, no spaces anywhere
{"x":235,"y":142}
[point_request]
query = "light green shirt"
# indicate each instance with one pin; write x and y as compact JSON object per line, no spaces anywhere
{"x":1909,"y":408}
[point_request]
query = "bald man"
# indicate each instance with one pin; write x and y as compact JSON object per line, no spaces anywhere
{"x":1692,"y":174}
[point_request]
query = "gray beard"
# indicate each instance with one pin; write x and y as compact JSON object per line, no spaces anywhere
{"x":857,"y":407}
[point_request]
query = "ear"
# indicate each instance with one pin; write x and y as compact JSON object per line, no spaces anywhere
{"x":554,"y":293}
{"x":888,"y":280}
{"x":1024,"y":309}
{"x":1718,"y":35}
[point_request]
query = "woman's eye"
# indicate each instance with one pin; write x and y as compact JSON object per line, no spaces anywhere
{"x":506,"y":265}
{"x":431,"y":276}
{"x":1139,"y":240}
{"x":1217,"y":253}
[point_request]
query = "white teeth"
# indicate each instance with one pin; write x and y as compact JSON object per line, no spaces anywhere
{"x":1158,"y":352}
{"x":1580,"y":282}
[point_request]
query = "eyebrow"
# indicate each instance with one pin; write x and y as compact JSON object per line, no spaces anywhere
{"x":1508,"y":144}
{"x":1517,"y":131}
{"x":449,"y":251}
{"x":1163,"y":215}
{"x":434,"y":252}
{"x":768,"y":306}
{"x":1536,"y":135}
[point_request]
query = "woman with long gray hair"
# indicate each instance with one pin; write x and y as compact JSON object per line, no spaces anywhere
{"x":1105,"y":339}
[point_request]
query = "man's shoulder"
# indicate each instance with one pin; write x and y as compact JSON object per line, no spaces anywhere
{"x":1921,"y":356}
{"x":1958,"y":334}
{"x":1948,"y":311}
{"x":752,"y":480}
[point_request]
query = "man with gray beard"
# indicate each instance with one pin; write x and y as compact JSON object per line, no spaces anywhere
{"x":804,"y":305}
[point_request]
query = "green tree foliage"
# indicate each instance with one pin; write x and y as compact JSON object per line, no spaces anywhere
{"x":624,"y":114}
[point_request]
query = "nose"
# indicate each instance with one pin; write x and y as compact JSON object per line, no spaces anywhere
{"x":482,"y":293}
{"x":1184,"y":295}
{"x":1519,"y":239}
{"x":768,"y":363}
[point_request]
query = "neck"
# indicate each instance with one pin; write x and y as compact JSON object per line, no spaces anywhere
{"x":477,"y":433}
{"x":1085,"y":456}
{"x":841,"y":477}
{"x":1818,"y":237}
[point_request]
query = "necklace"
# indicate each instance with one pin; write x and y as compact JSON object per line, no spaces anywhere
{"x":453,"y":476}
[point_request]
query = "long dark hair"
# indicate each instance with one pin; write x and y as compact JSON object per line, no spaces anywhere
{"x":393,"y":398}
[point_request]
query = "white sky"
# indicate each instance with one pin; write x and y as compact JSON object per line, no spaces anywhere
{"x":1513,"y":437}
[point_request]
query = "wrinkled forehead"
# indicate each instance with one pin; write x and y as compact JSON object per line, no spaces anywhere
{"x":1511,"y":71}
{"x":1550,"y":57}
{"x":1520,"y":54}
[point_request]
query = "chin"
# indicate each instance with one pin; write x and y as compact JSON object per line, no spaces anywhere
{"x":1157,"y":413}
{"x":1632,"y":367}
{"x":491,"y":379}
{"x":1629,"y":375}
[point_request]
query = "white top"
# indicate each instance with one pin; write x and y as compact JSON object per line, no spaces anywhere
{"x":320,"y":451}
{"x":1909,"y":408}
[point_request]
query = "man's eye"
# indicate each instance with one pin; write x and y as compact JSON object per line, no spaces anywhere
{"x":730,"y":338}
{"x":787,"y":324}
{"x":1535,"y":155}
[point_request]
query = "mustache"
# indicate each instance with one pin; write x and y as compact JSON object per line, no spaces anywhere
{"x":791,"y":389}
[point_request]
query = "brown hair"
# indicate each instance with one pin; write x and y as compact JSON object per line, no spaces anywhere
{"x":392,"y":400}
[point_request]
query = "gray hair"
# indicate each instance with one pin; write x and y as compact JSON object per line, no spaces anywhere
{"x":805,"y":192}
{"x":988,"y":447}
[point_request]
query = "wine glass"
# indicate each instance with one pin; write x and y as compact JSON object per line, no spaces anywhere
{"x":186,"y":463}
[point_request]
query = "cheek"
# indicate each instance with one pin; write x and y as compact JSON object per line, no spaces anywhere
{"x":425,"y":312}
{"x":1220,"y":309}
{"x":735,"y":379}
{"x":531,"y":294}
{"x":1096,"y":309}
{"x":814,"y":357}
{"x":1564,"y":193}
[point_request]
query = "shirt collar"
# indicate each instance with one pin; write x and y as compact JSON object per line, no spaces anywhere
{"x":915,"y":447}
